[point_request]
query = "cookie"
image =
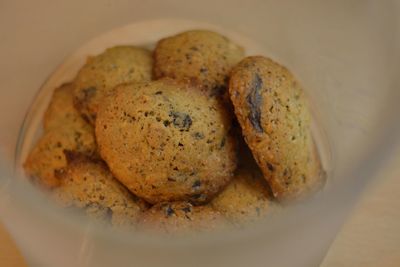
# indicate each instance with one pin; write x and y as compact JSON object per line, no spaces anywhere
{"x":200,"y":57}
{"x":166,"y":141}
{"x":47,"y":156}
{"x":246,"y":198}
{"x":89,"y":185}
{"x":272,"y":111}
{"x":100,"y":74}
{"x":181,"y":217}
{"x":61,"y":111}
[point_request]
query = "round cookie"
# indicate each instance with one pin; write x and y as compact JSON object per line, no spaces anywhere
{"x":272,"y":111}
{"x":89,"y":185}
{"x":61,"y":111}
{"x":48,"y":154}
{"x":203,"y":58}
{"x":100,"y":74}
{"x":166,"y":141}
{"x":181,"y":217}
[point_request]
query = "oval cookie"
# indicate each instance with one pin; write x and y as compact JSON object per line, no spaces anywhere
{"x":61,"y":111}
{"x":203,"y":58}
{"x":100,"y":74}
{"x":48,"y":154}
{"x":166,"y":141}
{"x":272,"y":111}
{"x":89,"y":185}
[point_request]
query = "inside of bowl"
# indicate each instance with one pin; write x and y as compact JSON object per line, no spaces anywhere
{"x":345,"y":53}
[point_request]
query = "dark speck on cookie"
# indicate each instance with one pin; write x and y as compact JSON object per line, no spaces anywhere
{"x":196,"y":185}
{"x":187,"y":209}
{"x":169,"y":211}
{"x":254,"y":100}
{"x":181,"y":120}
{"x":89,"y":92}
{"x":198,"y":135}
{"x":270,"y":167}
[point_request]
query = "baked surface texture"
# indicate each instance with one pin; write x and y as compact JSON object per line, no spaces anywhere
{"x":181,"y":217}
{"x":64,"y":129}
{"x":167,"y":141}
{"x":101,"y":73}
{"x":202,"y":58}
{"x":89,"y":185}
{"x":271,"y":108}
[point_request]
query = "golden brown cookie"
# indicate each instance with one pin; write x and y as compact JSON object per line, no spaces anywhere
{"x":272,"y":111}
{"x":166,"y":141}
{"x":89,"y":185}
{"x":61,"y":111}
{"x":100,"y":74}
{"x":246,"y":198}
{"x":203,"y":58}
{"x":48,"y":154}
{"x":181,"y":217}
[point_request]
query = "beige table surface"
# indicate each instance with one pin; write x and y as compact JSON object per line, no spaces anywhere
{"x":370,"y":237}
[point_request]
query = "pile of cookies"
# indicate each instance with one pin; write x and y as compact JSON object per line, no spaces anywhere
{"x":189,"y":137}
